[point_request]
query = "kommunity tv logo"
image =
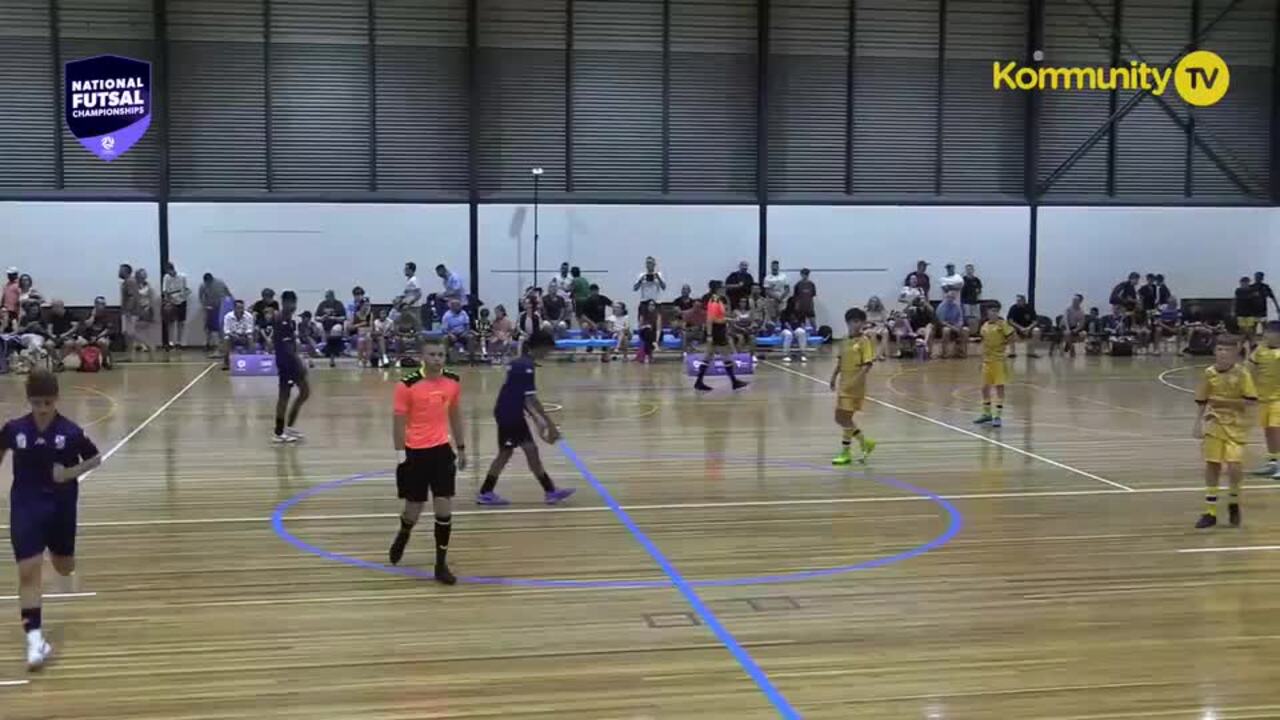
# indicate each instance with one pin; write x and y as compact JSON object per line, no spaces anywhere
{"x":1201,"y":78}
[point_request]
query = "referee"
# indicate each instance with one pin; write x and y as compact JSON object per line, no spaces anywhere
{"x":426,"y":414}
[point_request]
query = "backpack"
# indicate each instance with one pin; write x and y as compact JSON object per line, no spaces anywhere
{"x":90,"y":359}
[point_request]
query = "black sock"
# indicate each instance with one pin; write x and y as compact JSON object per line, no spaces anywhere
{"x":31,"y":619}
{"x":490,"y":483}
{"x":702,"y":372}
{"x":293,"y":412}
{"x":545,"y":481}
{"x":279,"y":425}
{"x":443,"y":528}
{"x":728,"y":369}
{"x":406,"y":526}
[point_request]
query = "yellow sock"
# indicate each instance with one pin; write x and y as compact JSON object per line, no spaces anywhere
{"x":986,"y":408}
{"x":999,"y":410}
{"x":1211,"y":501}
{"x":847,"y":435}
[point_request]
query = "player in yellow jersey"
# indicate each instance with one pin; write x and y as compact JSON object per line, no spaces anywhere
{"x":996,"y":335}
{"x":1265,"y":362}
{"x":1225,"y":390}
{"x":849,"y":382}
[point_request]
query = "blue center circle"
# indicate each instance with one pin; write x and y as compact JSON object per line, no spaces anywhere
{"x":955,"y":521}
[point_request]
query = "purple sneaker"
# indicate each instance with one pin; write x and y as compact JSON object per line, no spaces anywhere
{"x":555,"y":496}
{"x":492,"y":499}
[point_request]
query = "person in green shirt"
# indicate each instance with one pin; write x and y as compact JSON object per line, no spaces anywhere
{"x":579,"y":290}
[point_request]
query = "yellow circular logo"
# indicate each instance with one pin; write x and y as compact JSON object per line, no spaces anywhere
{"x":1201,"y":78}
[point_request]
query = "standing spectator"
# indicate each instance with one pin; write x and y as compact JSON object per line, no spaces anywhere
{"x":952,"y":281}
{"x":1163,"y":294}
{"x":777,"y":288}
{"x":650,"y":283}
{"x":738,"y":285}
{"x":145,"y":317}
{"x":579,"y":291}
{"x":10,"y":298}
{"x":1023,"y":319}
{"x":128,"y":307}
{"x":330,"y":312}
{"x":564,"y":281}
{"x":971,"y":298}
{"x":877,"y":327}
{"x":175,"y":294}
{"x":911,"y":292}
{"x":1249,"y":306}
{"x":1265,"y":293}
{"x":951,"y":325}
{"x":454,"y":288}
{"x":805,"y":293}
{"x":27,"y":290}
{"x":213,"y":295}
{"x":410,"y":298}
{"x":1125,"y":292}
{"x":649,"y":324}
{"x":456,"y":324}
{"x":1148,"y":294}
{"x":1074,"y":325}
{"x":360,"y":310}
{"x":921,"y":276}
{"x":238,"y":332}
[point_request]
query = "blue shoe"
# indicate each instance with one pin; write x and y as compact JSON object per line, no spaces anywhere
{"x":982,"y":419}
{"x":491,"y":499}
{"x":997,"y":422}
{"x":556,"y":496}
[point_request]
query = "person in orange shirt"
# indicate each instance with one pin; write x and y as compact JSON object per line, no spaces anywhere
{"x":426,"y":414}
{"x":718,"y":342}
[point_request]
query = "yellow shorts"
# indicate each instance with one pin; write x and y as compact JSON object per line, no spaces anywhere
{"x":1248,"y":325}
{"x":1218,"y":450}
{"x":1269,"y":414}
{"x":850,"y":403}
{"x":994,"y":373}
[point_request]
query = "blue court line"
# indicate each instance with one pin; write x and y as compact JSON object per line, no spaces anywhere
{"x":690,"y":595}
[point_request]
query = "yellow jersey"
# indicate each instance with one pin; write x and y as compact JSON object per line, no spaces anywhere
{"x":1225,"y":392}
{"x":995,"y":340}
{"x":1267,"y":360}
{"x":857,"y":352}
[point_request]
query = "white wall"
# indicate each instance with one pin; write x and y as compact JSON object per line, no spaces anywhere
{"x":692,"y":243}
{"x":1202,"y":252}
{"x":855,"y":252}
{"x":72,"y":249}
{"x":311,"y":247}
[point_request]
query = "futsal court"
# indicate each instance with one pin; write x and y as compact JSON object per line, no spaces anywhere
{"x":712,"y":564}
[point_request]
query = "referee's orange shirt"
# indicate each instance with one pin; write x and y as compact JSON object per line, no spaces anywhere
{"x":425,"y":405}
{"x":715,"y":311}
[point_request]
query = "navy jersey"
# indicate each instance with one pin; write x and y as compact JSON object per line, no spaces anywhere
{"x":35,"y":452}
{"x":519,"y":385}
{"x":285,"y":335}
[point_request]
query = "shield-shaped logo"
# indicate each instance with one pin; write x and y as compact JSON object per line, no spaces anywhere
{"x":107,"y":103}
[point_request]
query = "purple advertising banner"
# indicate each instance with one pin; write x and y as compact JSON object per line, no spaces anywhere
{"x":253,"y":364}
{"x":107,"y":103}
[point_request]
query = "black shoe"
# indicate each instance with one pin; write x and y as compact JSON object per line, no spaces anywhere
{"x":397,"y":547}
{"x":1233,"y":514}
{"x":701,"y":386}
{"x":738,"y":384}
{"x":1206,"y":521}
{"x":444,"y":576}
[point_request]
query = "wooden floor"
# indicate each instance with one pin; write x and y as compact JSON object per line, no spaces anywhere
{"x":1046,"y":570}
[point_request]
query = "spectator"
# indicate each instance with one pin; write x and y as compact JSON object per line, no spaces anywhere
{"x":175,"y":294}
{"x":564,"y":281}
{"x":796,"y":328}
{"x":410,"y":298}
{"x":911,"y":292}
{"x":738,"y":284}
{"x":268,"y":300}
{"x":1074,"y":325}
{"x":806,"y":293}
{"x":1249,"y":307}
{"x":310,"y":335}
{"x":921,"y":319}
{"x":95,"y":331}
{"x":213,"y":294}
{"x":650,"y":283}
{"x":128,"y":306}
{"x":1168,"y":324}
{"x":145,"y":316}
{"x":555,"y":310}
{"x":1163,"y":294}
{"x":649,"y":323}
{"x":32,"y":333}
{"x":579,"y":291}
{"x":952,"y":330}
{"x":62,"y":332}
{"x":618,"y":325}
{"x":693,"y":325}
{"x":405,"y":330}
{"x":1265,"y":293}
{"x":971,"y":299}
{"x":686,"y":300}
{"x":264,"y":328}
{"x":330,"y":312}
{"x":1023,"y":319}
{"x":921,"y":278}
{"x":742,"y":327}
{"x":530,"y":320}
{"x":877,"y":327}
{"x":777,"y":289}
{"x":454,"y":288}
{"x":27,"y":291}
{"x":952,"y":281}
{"x":1096,"y":331}
{"x":360,"y":310}
{"x":10,"y":302}
{"x":501,"y":334}
{"x":1148,"y":294}
{"x":238,"y":333}
{"x":456,"y":324}
{"x":9,"y":341}
{"x":592,"y":310}
{"x":380,"y":331}
{"x":1126,"y":291}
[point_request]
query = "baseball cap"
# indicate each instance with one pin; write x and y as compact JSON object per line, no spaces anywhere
{"x":12,"y":270}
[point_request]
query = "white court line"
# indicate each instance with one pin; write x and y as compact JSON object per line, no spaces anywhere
{"x":1229,"y":549}
{"x":962,"y":431}
{"x":671,"y":506}
{"x":1179,"y":388}
{"x":14,"y":683}
{"x":56,"y":596}
{"x":116,"y":448}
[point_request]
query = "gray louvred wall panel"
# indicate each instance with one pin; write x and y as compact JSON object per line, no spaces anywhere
{"x":1075,"y":36}
{"x":26,"y":141}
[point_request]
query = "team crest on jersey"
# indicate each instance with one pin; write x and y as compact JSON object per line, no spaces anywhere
{"x":60,"y":442}
{"x":21,"y":441}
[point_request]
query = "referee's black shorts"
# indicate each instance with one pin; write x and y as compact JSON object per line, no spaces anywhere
{"x":427,"y":472}
{"x":719,"y":334}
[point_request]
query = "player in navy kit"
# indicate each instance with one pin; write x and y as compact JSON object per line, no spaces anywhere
{"x":517,"y":397}
{"x":49,"y":453}
{"x":291,"y":369}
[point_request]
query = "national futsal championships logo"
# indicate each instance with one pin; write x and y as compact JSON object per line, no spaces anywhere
{"x":1201,"y":78}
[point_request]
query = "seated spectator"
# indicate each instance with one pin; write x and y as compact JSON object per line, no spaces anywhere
{"x":904,"y":336}
{"x":268,"y":300}
{"x":360,"y":324}
{"x":501,"y":335}
{"x":1201,"y":333}
{"x":952,"y":331}
{"x":693,"y":325}
{"x":406,"y":331}
{"x":911,"y":291}
{"x":1074,"y":326}
{"x":9,"y":341}
{"x":27,"y":290}
{"x":1095,"y":328}
{"x":239,"y":332}
{"x":330,"y":312}
{"x":32,"y":330}
{"x":796,"y":330}
{"x":456,"y":325}
{"x":484,"y":332}
{"x":1142,"y":324}
{"x":742,"y":326}
{"x":380,"y":331}
{"x":649,"y":323}
{"x":877,"y":327}
{"x":265,"y":328}
{"x":1119,"y":327}
{"x":62,"y":333}
{"x":761,"y":316}
{"x":592,"y":311}
{"x":95,"y":331}
{"x":921,"y":319}
{"x":1023,"y":319}
{"x":335,"y":343}
{"x":310,"y":335}
{"x":1168,"y":324}
{"x":555,"y":311}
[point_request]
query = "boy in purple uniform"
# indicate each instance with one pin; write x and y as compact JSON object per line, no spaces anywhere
{"x":49,"y":453}
{"x":517,"y":397}
{"x":291,"y":370}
